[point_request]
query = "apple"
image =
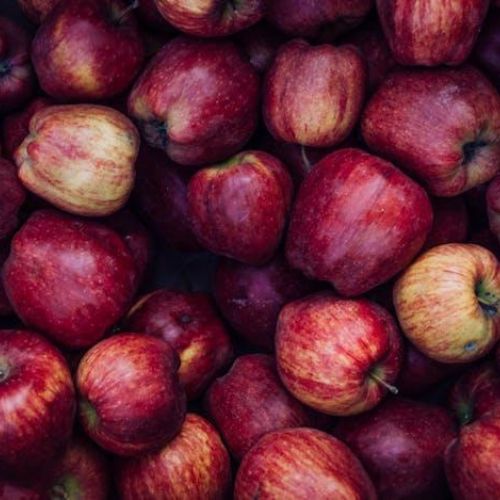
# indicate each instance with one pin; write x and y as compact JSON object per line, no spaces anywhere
{"x":447,"y":302}
{"x":442,"y":125}
{"x":487,"y":48}
{"x":251,"y":297}
{"x":212,"y":18}
{"x":80,"y":158}
{"x":401,"y":443}
{"x":16,"y":73}
{"x":37,"y":404}
{"x":337,"y":356}
{"x":431,"y":33}
{"x":190,"y":324}
{"x":301,"y":463}
{"x":313,"y":94}
{"x":15,"y":491}
{"x":69,"y":68}
{"x":239,"y":208}
{"x":357,"y":221}
{"x":5,"y":307}
{"x":195,"y":465}
{"x":71,"y":278}
{"x":129,"y":396}
{"x":37,"y":10}
{"x":493,"y":206}
{"x":197,"y":100}
{"x":12,"y":196}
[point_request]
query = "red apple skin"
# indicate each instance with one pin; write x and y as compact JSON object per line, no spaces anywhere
{"x":69,"y":68}
{"x":357,"y":221}
{"x":12,"y":197}
{"x":487,"y":48}
{"x":12,"y":491}
{"x":251,"y":297}
{"x":239,"y":208}
{"x":363,"y":345}
{"x":442,"y":125}
{"x":37,"y":10}
{"x":250,"y":401}
{"x":195,"y":465}
{"x":313,"y":94}
{"x":16,"y":73}
{"x":197,"y":100}
{"x":5,"y":307}
{"x":37,"y":404}
{"x":68,"y":277}
{"x":190,"y":324}
{"x":130,"y":399}
{"x":493,"y":206}
{"x":401,"y":443}
{"x":302,"y":463}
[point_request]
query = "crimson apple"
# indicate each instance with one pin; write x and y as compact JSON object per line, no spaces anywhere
{"x":443,"y":125}
{"x":487,"y":48}
{"x":69,"y":67}
{"x":37,"y":10}
{"x":493,"y":206}
{"x":197,"y":100}
{"x":357,"y":221}
{"x":130,"y":399}
{"x":12,"y":196}
{"x":69,"y":277}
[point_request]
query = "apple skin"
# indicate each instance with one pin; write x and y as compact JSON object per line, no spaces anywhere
{"x":239,"y":208}
{"x":5,"y":307}
{"x":68,"y":277}
{"x":15,"y":491}
{"x":313,"y":94}
{"x":195,"y":465}
{"x":130,"y":398}
{"x":401,"y":443}
{"x":69,"y":68}
{"x":442,"y":125}
{"x":37,"y":10}
{"x":357,"y":221}
{"x":190,"y":324}
{"x":363,"y":345}
{"x":493,"y":206}
{"x":37,"y":404}
{"x":212,"y":18}
{"x":487,"y":48}
{"x":80,"y":158}
{"x":12,"y":197}
{"x":301,"y":463}
{"x":447,"y":302}
{"x":197,"y":100}
{"x":251,"y":297}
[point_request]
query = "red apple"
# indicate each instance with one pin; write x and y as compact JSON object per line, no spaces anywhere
{"x":337,"y":356}
{"x":251,"y":297}
{"x":487,"y":48}
{"x":443,"y":125}
{"x":239,"y":208}
{"x":80,"y":158}
{"x":5,"y":307}
{"x":12,"y":196}
{"x":447,"y":302}
{"x":313,"y":94}
{"x":197,"y":100}
{"x":13,"y":491}
{"x":37,"y":10}
{"x":194,"y":465}
{"x":401,"y":444}
{"x":69,"y":67}
{"x":130,"y":399}
{"x":69,"y":277}
{"x":37,"y":404}
{"x":357,"y":221}
{"x":493,"y":206}
{"x":299,"y":464}
{"x":190,"y":324}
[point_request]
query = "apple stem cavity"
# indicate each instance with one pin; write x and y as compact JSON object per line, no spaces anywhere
{"x":4,"y":370}
{"x":155,"y":132}
{"x":488,"y":301}
{"x":391,"y":388}
{"x":118,"y":15}
{"x":5,"y":68}
{"x":89,"y":413}
{"x":66,"y":488}
{"x":470,"y":150}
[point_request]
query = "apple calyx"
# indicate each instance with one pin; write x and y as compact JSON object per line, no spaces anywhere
{"x":470,"y":150}
{"x":89,"y":413}
{"x":4,"y":370}
{"x":465,"y":413}
{"x":155,"y":132}
{"x":118,"y":14}
{"x":5,"y":68}
{"x":391,"y":388}
{"x":488,"y":301}
{"x":66,"y":488}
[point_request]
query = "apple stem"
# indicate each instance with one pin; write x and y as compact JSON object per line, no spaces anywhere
{"x":58,"y":492}
{"x":125,"y":11}
{"x":305,"y":159}
{"x":391,"y":388}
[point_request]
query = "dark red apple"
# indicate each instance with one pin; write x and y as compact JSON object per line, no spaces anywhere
{"x":5,"y":307}
{"x":357,"y":221}
{"x":195,"y":465}
{"x":87,"y":49}
{"x":68,"y":277}
{"x":190,"y":324}
{"x":12,"y":196}
{"x":14,"y":491}
{"x":37,"y":10}
{"x":493,"y":206}
{"x":401,"y":444}
{"x":487,"y":48}
{"x":37,"y":404}
{"x":239,"y":208}
{"x":130,"y":399}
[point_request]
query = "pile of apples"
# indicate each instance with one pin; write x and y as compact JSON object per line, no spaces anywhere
{"x":249,"y":249}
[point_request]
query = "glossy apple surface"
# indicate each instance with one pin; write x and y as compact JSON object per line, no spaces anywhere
{"x":12,"y":196}
{"x":487,"y":48}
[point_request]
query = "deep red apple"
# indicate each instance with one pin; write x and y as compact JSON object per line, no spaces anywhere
{"x":69,"y":277}
{"x":190,"y":324}
{"x":37,"y":404}
{"x":302,"y":463}
{"x":195,"y":465}
{"x":5,"y":307}
{"x":487,"y":48}
{"x":401,"y":444}
{"x":37,"y":10}
{"x":357,"y":221}
{"x":239,"y":208}
{"x":12,"y":196}
{"x":69,"y":67}
{"x":130,"y":399}
{"x":493,"y":206}
{"x":197,"y":100}
{"x":443,"y":125}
